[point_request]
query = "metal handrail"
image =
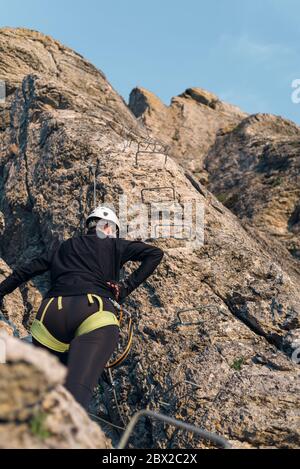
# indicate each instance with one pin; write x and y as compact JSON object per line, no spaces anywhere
{"x":216,"y":439}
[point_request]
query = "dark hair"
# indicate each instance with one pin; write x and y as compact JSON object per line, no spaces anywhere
{"x":92,"y":222}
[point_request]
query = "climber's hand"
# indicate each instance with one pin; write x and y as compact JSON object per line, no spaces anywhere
{"x":116,"y":288}
{"x":120,"y":290}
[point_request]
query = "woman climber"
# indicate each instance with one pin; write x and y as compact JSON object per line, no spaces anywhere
{"x":76,"y":320}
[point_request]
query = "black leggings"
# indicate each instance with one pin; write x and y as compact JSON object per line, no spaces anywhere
{"x":88,"y":353}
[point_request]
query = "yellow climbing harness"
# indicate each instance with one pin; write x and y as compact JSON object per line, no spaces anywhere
{"x":99,"y":319}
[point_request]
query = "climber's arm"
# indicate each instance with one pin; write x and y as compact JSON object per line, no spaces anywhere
{"x":27,"y":271}
{"x":149,"y":256}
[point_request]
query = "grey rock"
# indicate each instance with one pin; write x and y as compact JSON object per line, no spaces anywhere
{"x":254,"y":171}
{"x":36,"y":411}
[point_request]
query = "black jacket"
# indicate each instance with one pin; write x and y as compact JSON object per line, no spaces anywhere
{"x":84,"y":264}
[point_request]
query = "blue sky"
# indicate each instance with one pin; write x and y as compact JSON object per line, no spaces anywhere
{"x":247,"y":52}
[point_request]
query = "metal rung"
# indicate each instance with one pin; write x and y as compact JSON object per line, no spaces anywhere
{"x":152,"y":146}
{"x":153,"y":189}
{"x":180,"y":383}
{"x":192,"y":383}
{"x":200,"y":309}
{"x":212,"y":437}
{"x":183,"y":228}
{"x":184,"y":323}
{"x":93,"y":171}
{"x":139,"y":153}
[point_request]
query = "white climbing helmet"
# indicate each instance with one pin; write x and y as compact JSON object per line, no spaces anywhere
{"x":104,"y":213}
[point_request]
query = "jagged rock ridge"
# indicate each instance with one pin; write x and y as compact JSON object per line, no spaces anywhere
{"x":189,"y":125}
{"x":255,"y":172}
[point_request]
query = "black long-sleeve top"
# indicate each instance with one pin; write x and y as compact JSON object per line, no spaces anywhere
{"x":84,"y":264}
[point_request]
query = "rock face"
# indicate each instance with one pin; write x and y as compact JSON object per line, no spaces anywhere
{"x":243,"y":300}
{"x":35,"y":410}
{"x":189,"y":125}
{"x":254,"y":170}
{"x":13,"y":306}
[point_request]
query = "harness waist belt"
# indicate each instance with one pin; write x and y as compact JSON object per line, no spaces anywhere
{"x":95,"y":321}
